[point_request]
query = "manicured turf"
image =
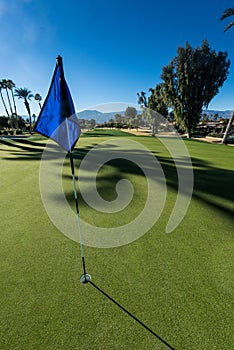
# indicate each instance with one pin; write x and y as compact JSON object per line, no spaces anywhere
{"x":179,"y":284}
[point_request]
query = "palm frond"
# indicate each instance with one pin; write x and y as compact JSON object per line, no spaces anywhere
{"x":229,"y":26}
{"x":227,"y":13}
{"x":23,"y":93}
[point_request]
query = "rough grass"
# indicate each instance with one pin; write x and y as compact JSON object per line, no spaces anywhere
{"x":179,"y":284}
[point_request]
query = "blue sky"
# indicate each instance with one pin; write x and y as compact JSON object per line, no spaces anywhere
{"x":111,"y":49}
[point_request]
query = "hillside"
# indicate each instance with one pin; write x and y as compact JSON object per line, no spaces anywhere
{"x":100,"y":117}
{"x":222,"y":114}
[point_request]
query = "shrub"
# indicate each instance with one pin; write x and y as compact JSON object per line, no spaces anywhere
{"x":215,"y":135}
{"x":200,"y":133}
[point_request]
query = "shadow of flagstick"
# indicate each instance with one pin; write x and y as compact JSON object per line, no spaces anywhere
{"x":131,"y":315}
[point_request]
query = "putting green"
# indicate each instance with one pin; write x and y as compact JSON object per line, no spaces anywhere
{"x":180,"y":284}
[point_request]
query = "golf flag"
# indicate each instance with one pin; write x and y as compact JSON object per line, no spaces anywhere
{"x":57,"y":119}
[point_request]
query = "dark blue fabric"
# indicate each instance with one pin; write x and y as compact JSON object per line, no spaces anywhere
{"x":57,"y":108}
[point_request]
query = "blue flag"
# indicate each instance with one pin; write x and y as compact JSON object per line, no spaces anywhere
{"x":57,"y":119}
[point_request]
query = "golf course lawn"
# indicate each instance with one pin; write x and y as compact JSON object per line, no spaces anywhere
{"x":179,"y":284}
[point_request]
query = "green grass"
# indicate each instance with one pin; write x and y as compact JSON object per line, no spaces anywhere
{"x":179,"y":284}
{"x":105,"y":132}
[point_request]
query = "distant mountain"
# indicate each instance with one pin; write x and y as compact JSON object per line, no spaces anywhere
{"x":221,"y":114}
{"x":101,"y":117}
{"x":98,"y":116}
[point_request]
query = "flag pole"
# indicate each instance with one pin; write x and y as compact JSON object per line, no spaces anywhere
{"x":85,"y":278}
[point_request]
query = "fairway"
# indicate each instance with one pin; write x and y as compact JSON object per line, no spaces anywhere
{"x":180,"y":284}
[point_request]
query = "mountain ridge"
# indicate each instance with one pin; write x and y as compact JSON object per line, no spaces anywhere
{"x":101,"y":117}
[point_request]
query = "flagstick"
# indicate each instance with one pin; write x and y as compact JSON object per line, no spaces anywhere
{"x":85,"y":278}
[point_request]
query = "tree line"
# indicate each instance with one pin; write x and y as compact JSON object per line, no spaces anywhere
{"x":8,"y":92}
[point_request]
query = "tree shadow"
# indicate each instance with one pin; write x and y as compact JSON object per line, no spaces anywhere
{"x":20,"y":144}
{"x":212,"y":185}
{"x":24,"y":149}
{"x":95,"y":134}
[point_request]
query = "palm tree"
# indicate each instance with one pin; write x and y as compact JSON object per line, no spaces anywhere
{"x":34,"y":119}
{"x":142,"y":99}
{"x":26,"y":95}
{"x":2,"y":86}
{"x":10,"y":85}
{"x":38,"y":98}
{"x":227,"y":13}
{"x":5,"y":86}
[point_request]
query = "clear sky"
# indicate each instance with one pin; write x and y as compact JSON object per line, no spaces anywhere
{"x":111,"y":49}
